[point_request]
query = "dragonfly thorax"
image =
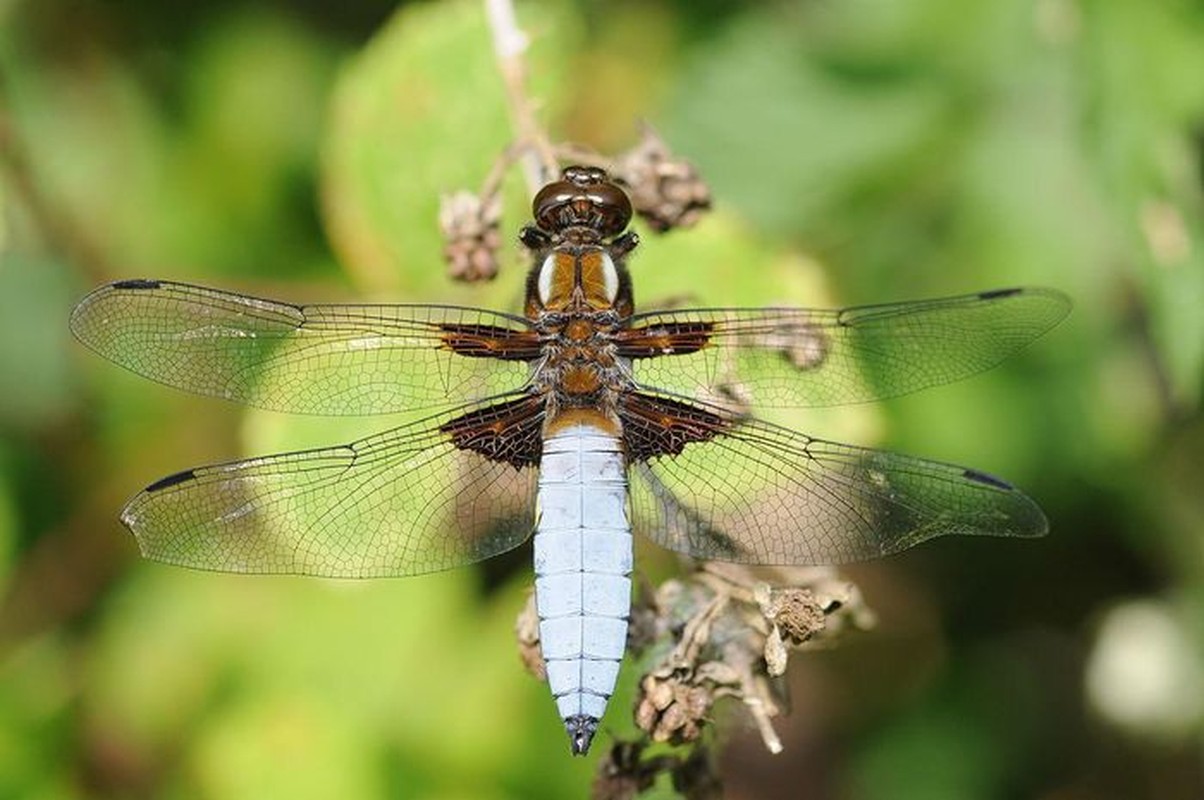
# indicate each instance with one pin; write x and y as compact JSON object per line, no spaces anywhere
{"x":585,"y":279}
{"x":580,"y":366}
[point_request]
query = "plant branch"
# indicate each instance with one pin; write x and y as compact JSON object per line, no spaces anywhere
{"x":510,"y":42}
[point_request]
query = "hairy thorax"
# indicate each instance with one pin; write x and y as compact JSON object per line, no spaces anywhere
{"x":580,"y":367}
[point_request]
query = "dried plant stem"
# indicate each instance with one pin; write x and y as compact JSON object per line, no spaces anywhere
{"x":760,"y":716}
{"x":536,"y":155}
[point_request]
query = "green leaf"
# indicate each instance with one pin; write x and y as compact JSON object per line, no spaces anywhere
{"x":421,"y":112}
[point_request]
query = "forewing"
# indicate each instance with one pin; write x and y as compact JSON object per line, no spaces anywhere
{"x":404,"y":502}
{"x":799,"y":358}
{"x":316,"y":359}
{"x":756,"y":493}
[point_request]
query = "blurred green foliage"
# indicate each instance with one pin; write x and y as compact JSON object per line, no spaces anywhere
{"x":861,"y":151}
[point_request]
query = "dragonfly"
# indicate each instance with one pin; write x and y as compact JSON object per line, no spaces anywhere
{"x":580,"y":421}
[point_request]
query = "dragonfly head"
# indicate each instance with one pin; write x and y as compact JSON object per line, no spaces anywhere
{"x":584,"y":204}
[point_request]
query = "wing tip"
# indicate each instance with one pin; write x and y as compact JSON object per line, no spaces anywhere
{"x":82,"y":316}
{"x":130,"y":514}
{"x":1031,"y":522}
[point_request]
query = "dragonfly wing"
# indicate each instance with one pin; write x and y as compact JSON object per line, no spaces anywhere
{"x":800,"y":358}
{"x":424,"y":497}
{"x":747,"y":491}
{"x":316,"y":359}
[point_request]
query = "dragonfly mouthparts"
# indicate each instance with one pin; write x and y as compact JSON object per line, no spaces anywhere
{"x":581,"y":729}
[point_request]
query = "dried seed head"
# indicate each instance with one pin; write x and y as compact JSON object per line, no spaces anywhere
{"x":671,"y":708}
{"x":665,"y":190}
{"x":732,"y":632}
{"x":795,"y":612}
{"x":471,"y":234}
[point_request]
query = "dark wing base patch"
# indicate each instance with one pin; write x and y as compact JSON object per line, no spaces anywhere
{"x":507,"y":432}
{"x":660,"y":426}
{"x":664,"y":338}
{"x":491,"y":341}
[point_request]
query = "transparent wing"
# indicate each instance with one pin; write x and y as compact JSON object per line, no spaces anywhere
{"x":761,"y":494}
{"x":404,"y":502}
{"x":317,"y":359}
{"x":799,"y":358}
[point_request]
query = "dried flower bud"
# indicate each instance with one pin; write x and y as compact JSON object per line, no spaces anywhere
{"x":670,"y":708}
{"x":674,"y":703}
{"x":471,"y":233}
{"x":665,"y":190}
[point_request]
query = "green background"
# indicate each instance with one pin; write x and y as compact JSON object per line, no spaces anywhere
{"x":859,"y":151}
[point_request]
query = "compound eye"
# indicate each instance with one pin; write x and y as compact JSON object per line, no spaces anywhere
{"x":614,"y":209}
{"x":549,"y":201}
{"x":584,"y":197}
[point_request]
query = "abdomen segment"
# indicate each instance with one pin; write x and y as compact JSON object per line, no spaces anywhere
{"x":582,"y":572}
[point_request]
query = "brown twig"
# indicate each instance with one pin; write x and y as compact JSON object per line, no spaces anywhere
{"x":536,"y":155}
